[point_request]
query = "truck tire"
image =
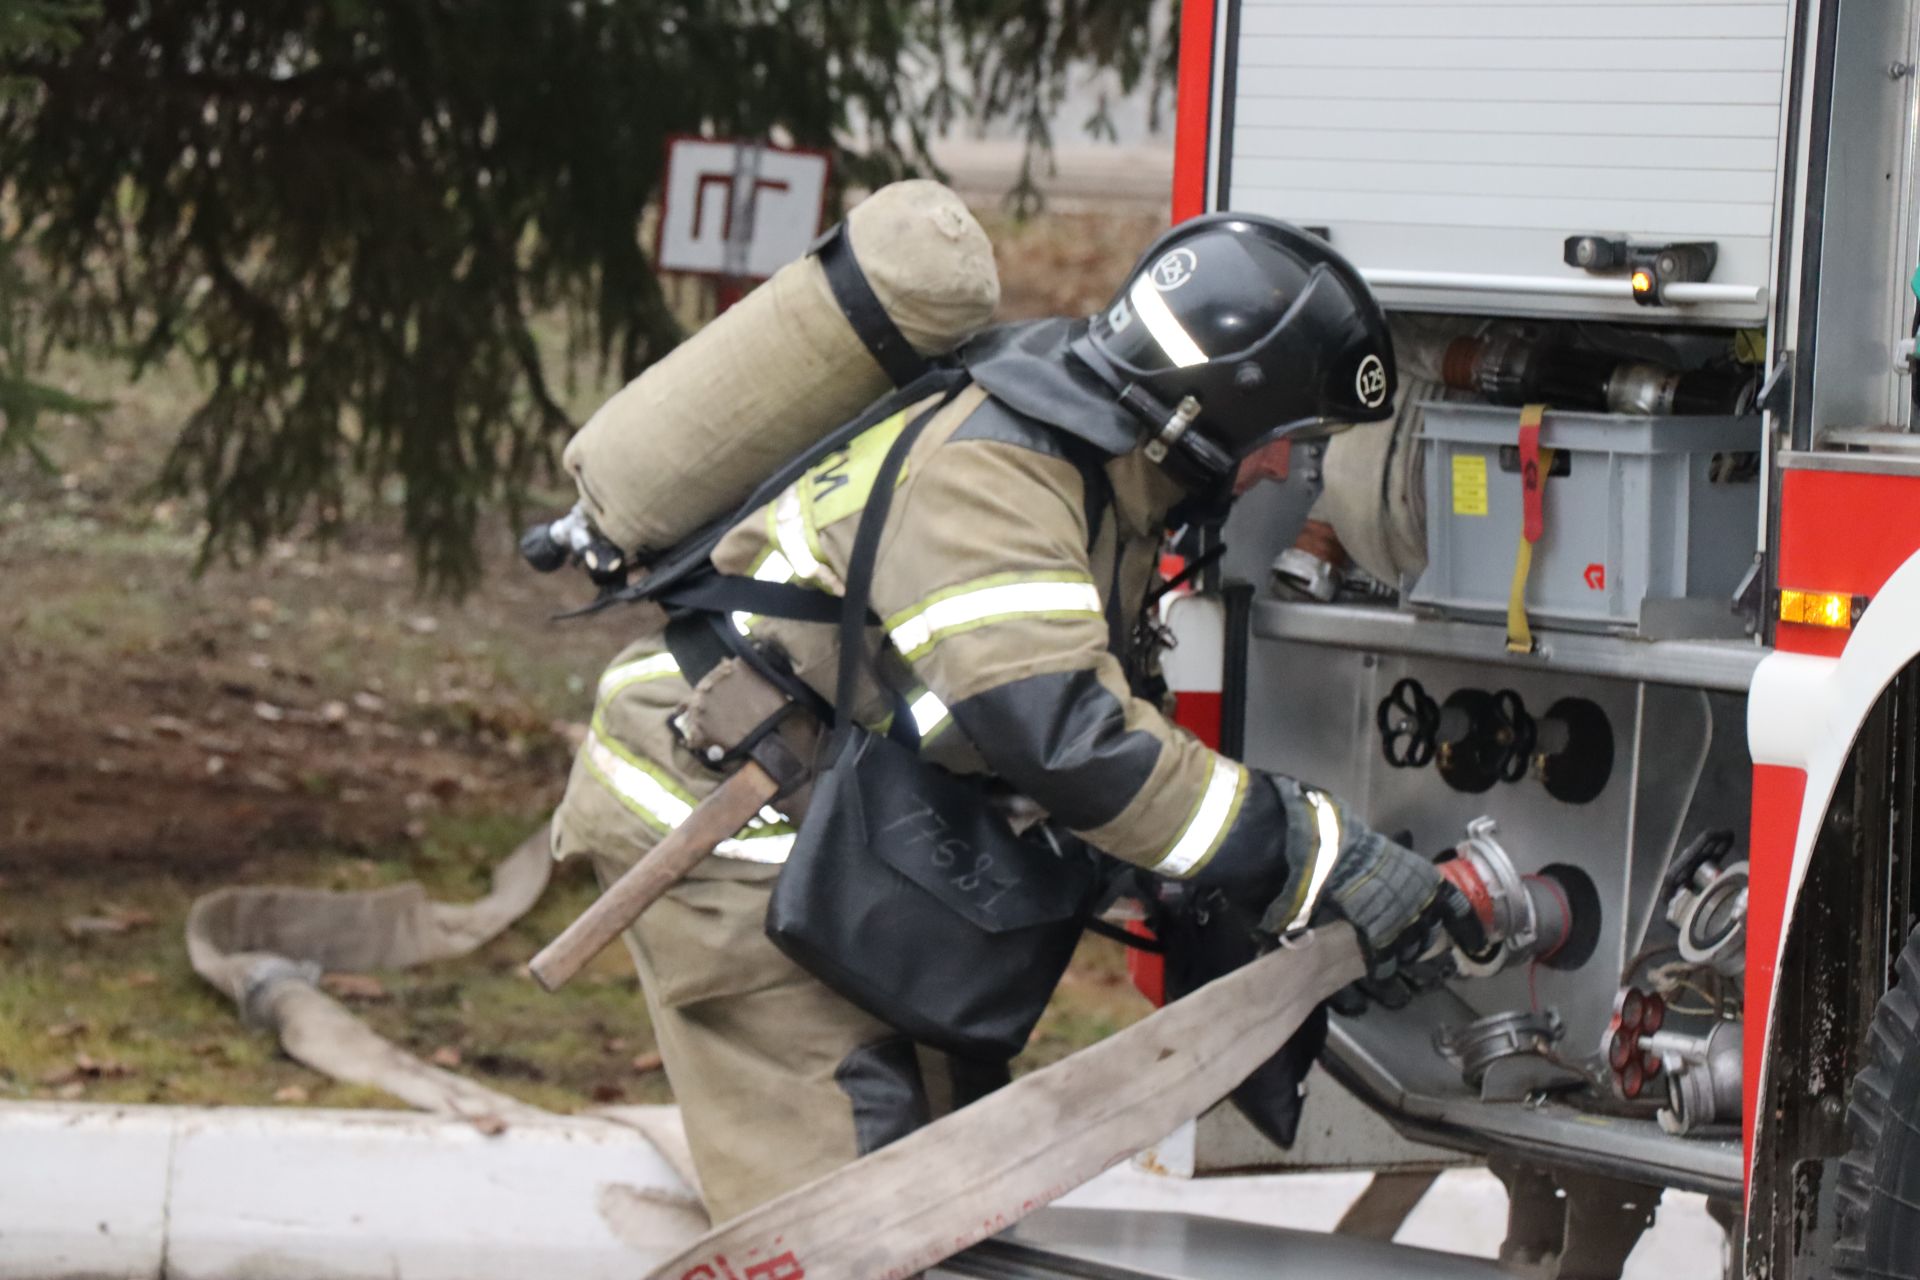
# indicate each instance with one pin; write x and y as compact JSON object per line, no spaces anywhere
{"x":1879,"y":1187}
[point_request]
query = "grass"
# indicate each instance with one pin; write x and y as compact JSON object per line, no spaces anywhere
{"x":122,"y":1017}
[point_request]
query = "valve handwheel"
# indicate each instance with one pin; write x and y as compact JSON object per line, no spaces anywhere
{"x":1409,"y":723}
{"x":1517,"y":732}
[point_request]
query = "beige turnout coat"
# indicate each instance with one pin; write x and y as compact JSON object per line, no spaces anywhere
{"x":1011,"y":572}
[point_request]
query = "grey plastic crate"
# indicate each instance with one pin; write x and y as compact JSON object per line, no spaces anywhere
{"x":1635,"y":523}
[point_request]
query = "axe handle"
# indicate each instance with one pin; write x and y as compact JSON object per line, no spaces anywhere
{"x":714,"y":819}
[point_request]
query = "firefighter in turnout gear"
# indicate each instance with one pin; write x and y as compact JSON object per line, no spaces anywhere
{"x":1017,"y":557}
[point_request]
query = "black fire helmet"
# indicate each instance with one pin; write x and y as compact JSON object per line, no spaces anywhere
{"x":1233,"y":331}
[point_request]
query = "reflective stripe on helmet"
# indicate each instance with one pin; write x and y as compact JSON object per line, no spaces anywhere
{"x":1164,"y":325}
{"x":1207,"y":827}
{"x":986,"y":601}
{"x":1327,"y":819}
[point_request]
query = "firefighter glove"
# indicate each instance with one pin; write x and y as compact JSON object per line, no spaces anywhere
{"x":1396,"y":901}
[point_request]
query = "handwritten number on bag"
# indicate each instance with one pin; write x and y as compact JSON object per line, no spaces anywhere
{"x":946,"y":849}
{"x":971,"y":880}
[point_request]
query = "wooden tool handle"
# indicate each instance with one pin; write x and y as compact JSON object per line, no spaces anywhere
{"x":714,"y":819}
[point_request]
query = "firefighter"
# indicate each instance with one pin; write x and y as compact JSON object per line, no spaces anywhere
{"x":1015,"y":562}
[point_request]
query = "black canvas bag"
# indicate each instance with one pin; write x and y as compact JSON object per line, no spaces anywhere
{"x":906,"y":891}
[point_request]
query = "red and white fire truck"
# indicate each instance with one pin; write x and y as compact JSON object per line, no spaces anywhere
{"x":1625,"y":604}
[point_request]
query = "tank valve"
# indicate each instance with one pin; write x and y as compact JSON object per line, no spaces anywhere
{"x":1552,"y":917}
{"x":552,"y":545}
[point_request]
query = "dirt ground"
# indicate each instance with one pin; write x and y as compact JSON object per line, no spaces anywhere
{"x":308,"y":718}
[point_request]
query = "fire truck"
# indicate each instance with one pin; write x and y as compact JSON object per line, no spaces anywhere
{"x":1623,"y":606}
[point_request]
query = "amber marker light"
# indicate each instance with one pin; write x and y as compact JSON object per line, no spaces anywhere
{"x":1831,"y":609}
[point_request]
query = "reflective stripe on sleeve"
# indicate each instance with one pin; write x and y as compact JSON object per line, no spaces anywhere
{"x":1210,"y":821}
{"x":641,"y":787}
{"x":929,"y":714}
{"x":663,"y":805}
{"x":918,"y":629}
{"x":1327,"y":818}
{"x":770,"y":849}
{"x":656,"y":666}
{"x":796,"y":541}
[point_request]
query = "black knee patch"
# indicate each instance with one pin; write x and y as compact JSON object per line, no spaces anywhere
{"x":882,"y":1081}
{"x":974,"y":1079}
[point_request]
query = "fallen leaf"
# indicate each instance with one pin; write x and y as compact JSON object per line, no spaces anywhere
{"x":111,"y":920}
{"x":606,"y":1093}
{"x":143,"y":978}
{"x":290,"y":1093}
{"x":86,"y":1067}
{"x":353,"y":986}
{"x":647,"y":1063}
{"x":445,"y":1056}
{"x":169,"y":726}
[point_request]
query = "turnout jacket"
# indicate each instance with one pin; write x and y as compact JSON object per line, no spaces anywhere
{"x":1013,"y":566}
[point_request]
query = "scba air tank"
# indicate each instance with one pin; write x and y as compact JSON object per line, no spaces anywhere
{"x":908,"y":275}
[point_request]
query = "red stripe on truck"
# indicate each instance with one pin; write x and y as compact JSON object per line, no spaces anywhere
{"x":1193,"y":105}
{"x":1777,"y":794}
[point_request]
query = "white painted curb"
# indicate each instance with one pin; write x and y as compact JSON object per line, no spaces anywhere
{"x":188,"y":1193}
{"x":184,"y":1193}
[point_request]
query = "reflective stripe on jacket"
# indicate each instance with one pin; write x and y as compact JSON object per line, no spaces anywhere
{"x":997,"y":602}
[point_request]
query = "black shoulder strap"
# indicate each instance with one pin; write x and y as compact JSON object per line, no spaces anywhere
{"x":862,"y":307}
{"x":864,"y":556}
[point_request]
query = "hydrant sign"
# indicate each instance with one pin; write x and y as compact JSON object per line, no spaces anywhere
{"x":741,"y":209}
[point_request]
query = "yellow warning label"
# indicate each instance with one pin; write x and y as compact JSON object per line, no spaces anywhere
{"x":1469,"y":484}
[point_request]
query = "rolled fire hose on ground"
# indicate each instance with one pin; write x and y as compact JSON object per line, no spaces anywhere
{"x":267,"y":947}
